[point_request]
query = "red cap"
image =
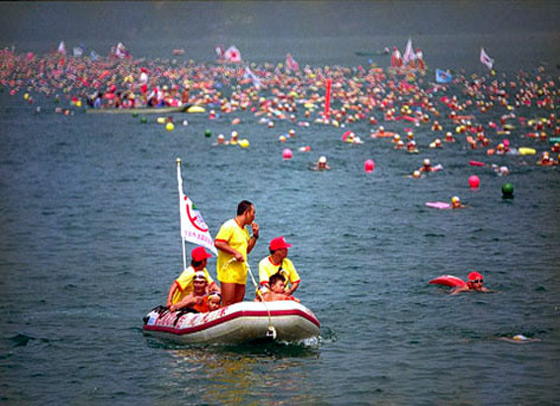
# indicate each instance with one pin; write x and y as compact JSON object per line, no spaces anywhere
{"x":278,"y":243}
{"x":144,"y":70}
{"x":199,"y":254}
{"x":474,"y":276}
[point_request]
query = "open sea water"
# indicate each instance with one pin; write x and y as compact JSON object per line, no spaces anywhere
{"x":89,"y":239}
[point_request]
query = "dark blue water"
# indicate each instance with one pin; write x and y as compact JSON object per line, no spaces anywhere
{"x":89,"y":236}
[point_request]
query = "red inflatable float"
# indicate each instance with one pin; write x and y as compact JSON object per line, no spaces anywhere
{"x":448,"y":280}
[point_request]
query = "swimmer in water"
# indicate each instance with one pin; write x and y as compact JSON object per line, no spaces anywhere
{"x":427,"y":166}
{"x":519,"y":339}
{"x":456,"y":203}
{"x":221,"y":140}
{"x":321,"y":164}
{"x":474,"y":283}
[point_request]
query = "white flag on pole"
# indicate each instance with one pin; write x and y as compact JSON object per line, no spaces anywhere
{"x":193,"y":227}
{"x":485,"y":59}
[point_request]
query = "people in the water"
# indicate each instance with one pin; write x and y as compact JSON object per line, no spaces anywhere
{"x":183,"y":286}
{"x":427,"y":166}
{"x":456,"y":203}
{"x":475,"y":283}
{"x":321,"y":164}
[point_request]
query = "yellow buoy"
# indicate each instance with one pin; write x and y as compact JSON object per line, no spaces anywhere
{"x":161,"y":120}
{"x":244,"y":143}
{"x":169,"y":126}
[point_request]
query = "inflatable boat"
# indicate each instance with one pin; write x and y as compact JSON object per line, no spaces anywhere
{"x":243,"y":322}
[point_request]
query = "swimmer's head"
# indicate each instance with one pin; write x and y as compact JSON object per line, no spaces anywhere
{"x":416,"y":174}
{"x":475,"y":278}
{"x":427,"y":162}
{"x":323,"y":160}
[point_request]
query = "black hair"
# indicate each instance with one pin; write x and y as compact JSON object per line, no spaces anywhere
{"x":196,"y":264}
{"x":243,"y":206}
{"x":275,"y":278}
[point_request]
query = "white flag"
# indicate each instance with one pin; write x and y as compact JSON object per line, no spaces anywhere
{"x":193,"y":227}
{"x":409,"y":54}
{"x":485,"y":59}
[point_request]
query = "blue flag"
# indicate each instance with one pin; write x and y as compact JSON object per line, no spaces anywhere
{"x":443,"y":76}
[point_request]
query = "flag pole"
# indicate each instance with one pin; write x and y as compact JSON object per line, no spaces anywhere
{"x":180,"y":186}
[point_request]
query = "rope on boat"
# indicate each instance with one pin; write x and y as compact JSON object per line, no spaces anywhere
{"x":271,"y":330}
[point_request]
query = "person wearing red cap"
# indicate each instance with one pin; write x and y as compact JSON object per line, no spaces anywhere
{"x":234,"y":244}
{"x":183,"y":286}
{"x":143,"y":82}
{"x":474,"y":283}
{"x":278,"y":263}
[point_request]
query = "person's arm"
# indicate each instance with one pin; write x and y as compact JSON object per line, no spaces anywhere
{"x":171,"y":293}
{"x":213,"y":288}
{"x":293,"y":288}
{"x":254,"y":237}
{"x":459,"y":289}
{"x":224,"y":246}
{"x":187,"y":301}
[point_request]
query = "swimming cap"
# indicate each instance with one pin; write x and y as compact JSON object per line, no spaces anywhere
{"x":455,"y":199}
{"x":323,"y":159}
{"x":427,"y":162}
{"x":474,"y":276}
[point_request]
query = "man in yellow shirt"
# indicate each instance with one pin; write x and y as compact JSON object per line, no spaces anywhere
{"x":234,"y":244}
{"x":278,"y":262}
{"x":183,"y":285}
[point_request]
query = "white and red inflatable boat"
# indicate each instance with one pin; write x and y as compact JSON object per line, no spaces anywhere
{"x":239,"y":323}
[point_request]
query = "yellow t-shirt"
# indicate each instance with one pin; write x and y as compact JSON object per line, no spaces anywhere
{"x":185,"y":284}
{"x":238,"y":239}
{"x":267,"y":269}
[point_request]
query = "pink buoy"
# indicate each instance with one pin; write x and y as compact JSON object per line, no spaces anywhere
{"x":369,"y":165}
{"x":474,"y":182}
{"x":287,"y":154}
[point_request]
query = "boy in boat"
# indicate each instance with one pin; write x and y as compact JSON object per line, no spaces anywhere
{"x":474,"y":283}
{"x":278,"y":263}
{"x":214,"y":301}
{"x":197,"y":300}
{"x":184,"y":284}
{"x":277,"y":290}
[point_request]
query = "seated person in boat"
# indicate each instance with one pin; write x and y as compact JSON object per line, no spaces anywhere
{"x":278,"y":263}
{"x":474,"y":284}
{"x":214,"y":301}
{"x":197,"y":300}
{"x":184,"y":284}
{"x":277,"y":290}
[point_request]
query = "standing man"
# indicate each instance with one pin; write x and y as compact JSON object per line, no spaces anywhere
{"x":278,"y":262}
{"x":234,"y":244}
